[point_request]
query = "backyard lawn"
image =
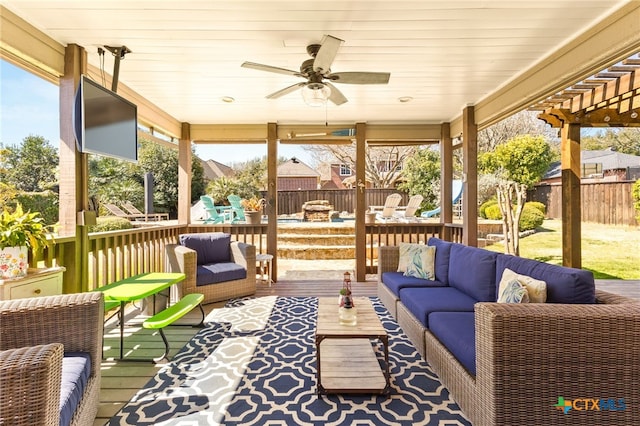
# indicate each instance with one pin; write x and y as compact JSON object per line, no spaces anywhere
{"x":610,"y":252}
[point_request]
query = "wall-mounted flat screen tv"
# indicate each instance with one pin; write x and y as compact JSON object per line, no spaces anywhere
{"x":105,"y":123}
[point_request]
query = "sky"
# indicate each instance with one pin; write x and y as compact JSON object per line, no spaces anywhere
{"x":29,"y":106}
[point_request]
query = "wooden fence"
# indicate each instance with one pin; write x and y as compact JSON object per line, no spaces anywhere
{"x":609,"y":203}
{"x":342,"y":200}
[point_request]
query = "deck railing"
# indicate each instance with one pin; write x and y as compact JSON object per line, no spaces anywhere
{"x":110,"y":256}
{"x":106,"y":257}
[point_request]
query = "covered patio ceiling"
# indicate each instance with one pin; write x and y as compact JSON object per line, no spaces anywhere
{"x":186,"y":56}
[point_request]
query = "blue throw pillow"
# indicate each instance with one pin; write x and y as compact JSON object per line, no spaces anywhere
{"x":211,"y":247}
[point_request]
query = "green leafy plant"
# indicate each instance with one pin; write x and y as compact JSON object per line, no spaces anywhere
{"x":19,"y":229}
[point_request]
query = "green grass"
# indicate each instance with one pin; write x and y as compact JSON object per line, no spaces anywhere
{"x":610,"y":252}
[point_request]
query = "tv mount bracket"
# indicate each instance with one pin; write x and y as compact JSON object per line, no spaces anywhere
{"x":119,"y":53}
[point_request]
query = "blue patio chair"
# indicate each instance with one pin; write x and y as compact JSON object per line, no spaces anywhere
{"x":236,"y":206}
{"x":215,"y":214}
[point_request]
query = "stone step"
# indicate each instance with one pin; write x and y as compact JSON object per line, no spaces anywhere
{"x":318,"y":253}
{"x":317,"y":239}
{"x":344,"y":228}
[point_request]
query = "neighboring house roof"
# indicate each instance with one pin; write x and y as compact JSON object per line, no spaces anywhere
{"x":610,"y":160}
{"x":296,"y":168}
{"x":214,"y":170}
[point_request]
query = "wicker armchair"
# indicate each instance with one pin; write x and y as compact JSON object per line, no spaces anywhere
{"x":34,"y":334}
{"x":183,"y":259}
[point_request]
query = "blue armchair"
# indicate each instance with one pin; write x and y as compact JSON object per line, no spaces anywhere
{"x":214,"y":265}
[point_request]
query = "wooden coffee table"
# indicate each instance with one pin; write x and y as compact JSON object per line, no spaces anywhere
{"x":346,"y":361}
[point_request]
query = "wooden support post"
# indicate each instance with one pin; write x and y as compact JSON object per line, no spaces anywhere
{"x":361,"y":207}
{"x":74,"y":175}
{"x":184,"y":175}
{"x":446,"y":174}
{"x":272,"y":196}
{"x":571,"y":212}
{"x":470,"y":177}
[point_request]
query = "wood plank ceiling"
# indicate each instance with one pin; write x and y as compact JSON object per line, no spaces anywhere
{"x":442,"y":54}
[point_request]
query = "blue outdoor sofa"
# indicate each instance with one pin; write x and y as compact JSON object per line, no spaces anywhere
{"x":519,"y":363}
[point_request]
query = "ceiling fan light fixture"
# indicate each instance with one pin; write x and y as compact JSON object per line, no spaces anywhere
{"x":316,"y":94}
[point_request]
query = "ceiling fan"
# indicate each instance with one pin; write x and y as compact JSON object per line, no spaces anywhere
{"x":317,"y":71}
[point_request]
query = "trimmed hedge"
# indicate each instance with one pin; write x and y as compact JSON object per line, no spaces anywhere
{"x":110,"y":223}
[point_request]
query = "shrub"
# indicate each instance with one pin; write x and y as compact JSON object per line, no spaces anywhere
{"x":538,"y":205}
{"x":493,"y":212}
{"x":110,"y":223}
{"x":635,"y":192}
{"x":531,"y":217}
{"x":483,"y":207}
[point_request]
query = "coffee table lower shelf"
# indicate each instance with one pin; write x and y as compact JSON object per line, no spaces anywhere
{"x":350,"y":366}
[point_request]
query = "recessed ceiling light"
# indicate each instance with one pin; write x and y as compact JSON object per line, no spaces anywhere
{"x":405,"y":99}
{"x":228,"y":99}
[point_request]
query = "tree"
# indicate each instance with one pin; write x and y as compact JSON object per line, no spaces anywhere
{"x":518,"y":164}
{"x":421,"y":174}
{"x":248,"y":180}
{"x":522,"y":123}
{"x":625,"y":140}
{"x":381,"y":163}
{"x":114,"y":180}
{"x":32,"y":166}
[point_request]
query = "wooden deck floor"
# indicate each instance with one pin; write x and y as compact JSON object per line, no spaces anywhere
{"x":122,"y":379}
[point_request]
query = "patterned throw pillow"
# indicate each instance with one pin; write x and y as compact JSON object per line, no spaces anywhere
{"x":513,"y":292}
{"x":417,"y":260}
{"x":537,"y":289}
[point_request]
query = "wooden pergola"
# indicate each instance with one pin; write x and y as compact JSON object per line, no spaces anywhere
{"x":610,"y":98}
{"x":561,"y":85}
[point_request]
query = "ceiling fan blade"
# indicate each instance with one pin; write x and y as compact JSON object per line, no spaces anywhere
{"x":360,"y":77}
{"x":269,"y":68}
{"x":336,"y":96}
{"x":285,"y":91}
{"x":327,"y":53}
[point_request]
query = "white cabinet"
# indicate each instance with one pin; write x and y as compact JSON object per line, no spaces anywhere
{"x":38,"y":282}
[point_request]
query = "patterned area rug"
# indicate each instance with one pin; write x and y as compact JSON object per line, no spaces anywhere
{"x":254,"y":364}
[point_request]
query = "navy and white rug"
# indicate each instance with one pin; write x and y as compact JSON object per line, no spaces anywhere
{"x":254,"y":364}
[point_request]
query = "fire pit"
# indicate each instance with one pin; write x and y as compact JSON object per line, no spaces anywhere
{"x":316,"y":211}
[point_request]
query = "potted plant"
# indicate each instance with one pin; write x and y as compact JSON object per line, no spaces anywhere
{"x":253,"y":209}
{"x":19,"y":232}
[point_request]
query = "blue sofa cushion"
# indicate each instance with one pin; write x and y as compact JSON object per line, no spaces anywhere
{"x":76,"y":369}
{"x":473,"y":271}
{"x":395,"y":281}
{"x":443,"y":253}
{"x":219,"y":272}
{"x":564,"y":285}
{"x":423,"y":301}
{"x":456,"y":331}
{"x":211,"y":247}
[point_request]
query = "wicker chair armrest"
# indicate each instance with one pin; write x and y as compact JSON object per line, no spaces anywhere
{"x":604,"y":297}
{"x":243,"y":254}
{"x":184,"y":260}
{"x":542,"y":351}
{"x":388,"y":258}
{"x":30,"y":385}
{"x":75,"y":320}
